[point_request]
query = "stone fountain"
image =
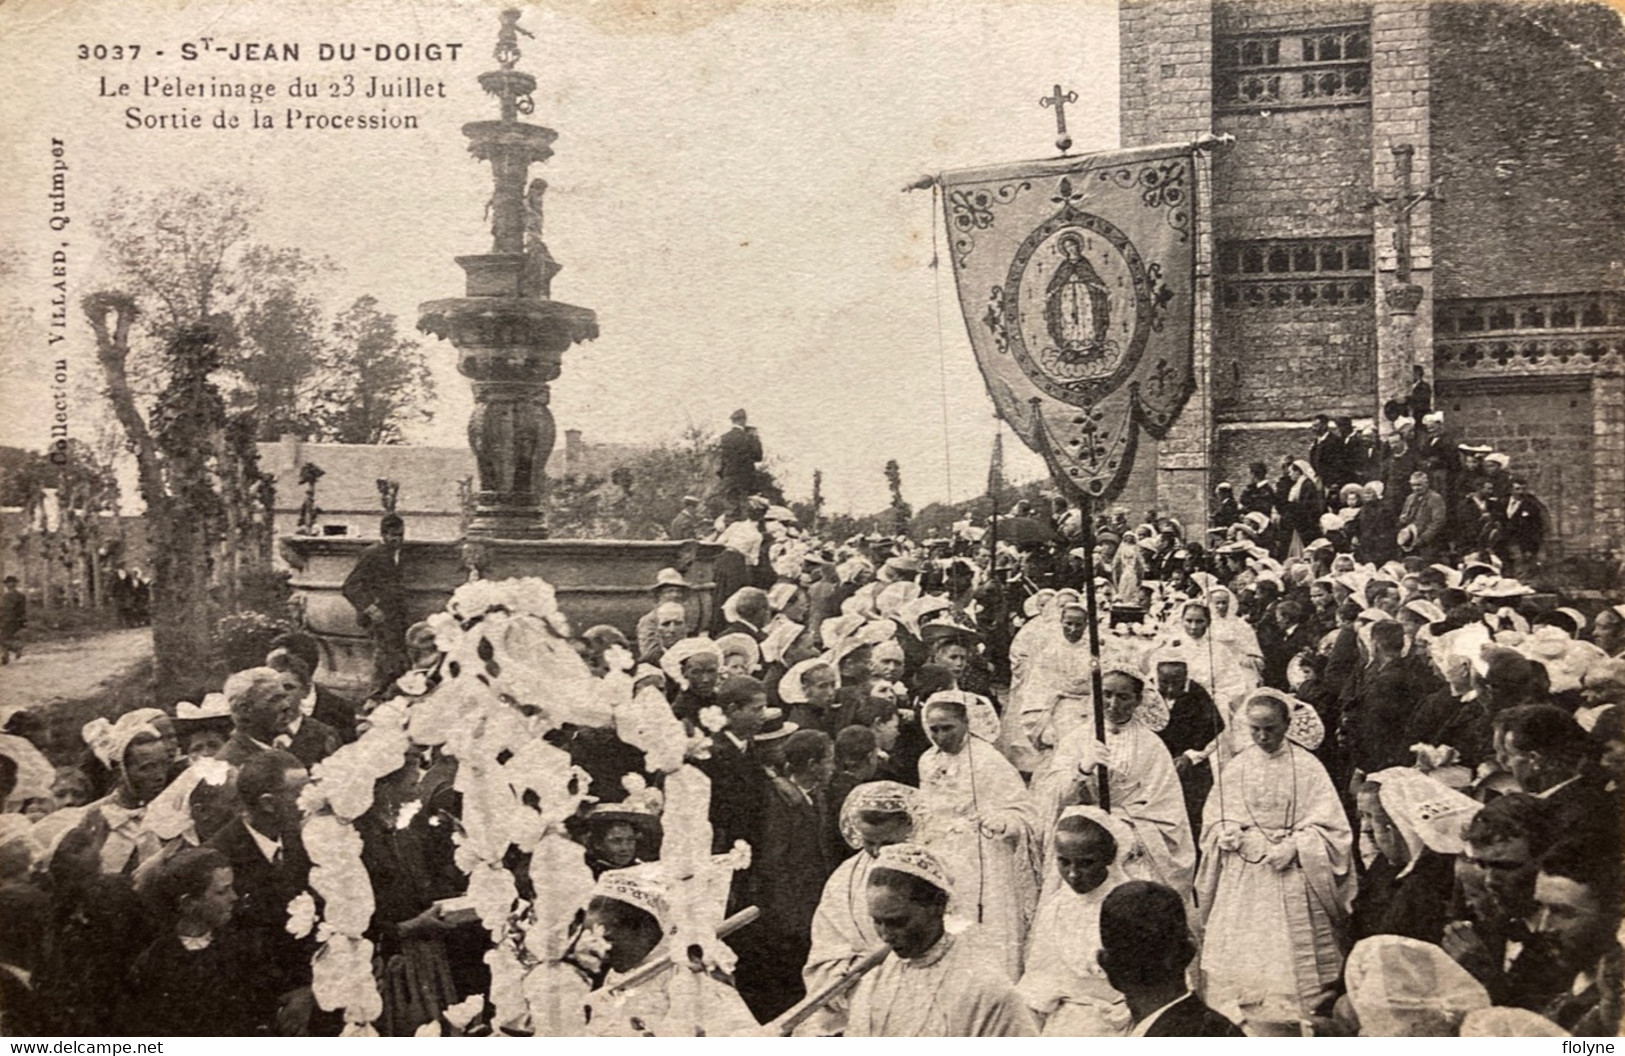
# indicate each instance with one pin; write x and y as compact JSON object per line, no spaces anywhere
{"x":510,"y":336}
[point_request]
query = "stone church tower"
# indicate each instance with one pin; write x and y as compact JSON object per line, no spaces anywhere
{"x":1497,"y":263}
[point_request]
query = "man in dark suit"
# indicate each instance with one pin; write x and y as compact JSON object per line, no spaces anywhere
{"x":1295,"y":635}
{"x":788,"y":882}
{"x":1577,"y":895}
{"x":375,"y":590}
{"x":263,"y":702}
{"x":13,"y":618}
{"x":738,"y":778}
{"x":1145,"y":947}
{"x":330,"y":708}
{"x":1525,"y":530}
{"x":1379,"y":703}
{"x":1547,"y":752}
{"x":737,"y":454}
{"x":269,"y":868}
{"x":308,"y":738}
{"x":747,"y":613}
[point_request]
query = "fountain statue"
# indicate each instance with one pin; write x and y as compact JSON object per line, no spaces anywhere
{"x":510,"y":336}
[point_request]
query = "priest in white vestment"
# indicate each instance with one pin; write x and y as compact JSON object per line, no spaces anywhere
{"x":1277,"y":873}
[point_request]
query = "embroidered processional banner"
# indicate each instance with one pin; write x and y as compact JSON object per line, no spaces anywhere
{"x":1077,"y":281}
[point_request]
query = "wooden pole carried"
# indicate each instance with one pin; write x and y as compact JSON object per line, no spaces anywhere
{"x":802,"y":1010}
{"x":643,"y":974}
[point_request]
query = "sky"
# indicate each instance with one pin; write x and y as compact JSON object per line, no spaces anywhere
{"x":725,"y":193}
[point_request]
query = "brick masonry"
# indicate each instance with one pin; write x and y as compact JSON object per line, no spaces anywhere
{"x":1518,"y":110}
{"x":1549,"y":437}
{"x":1529,"y":141}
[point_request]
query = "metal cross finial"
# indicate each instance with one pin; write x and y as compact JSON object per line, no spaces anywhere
{"x":1063,"y":142}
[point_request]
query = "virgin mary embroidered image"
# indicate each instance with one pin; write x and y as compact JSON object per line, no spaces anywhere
{"x":1077,"y":309}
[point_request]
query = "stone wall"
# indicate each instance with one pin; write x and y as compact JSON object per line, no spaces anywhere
{"x":1529,"y":139}
{"x":1547,"y":430}
{"x":1166,"y":60}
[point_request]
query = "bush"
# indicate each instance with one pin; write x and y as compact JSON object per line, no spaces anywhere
{"x":242,"y":639}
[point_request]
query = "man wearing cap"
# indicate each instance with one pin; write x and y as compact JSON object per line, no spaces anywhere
{"x":687,"y":523}
{"x":13,"y":618}
{"x":737,"y":454}
{"x":375,"y":589}
{"x":933,"y":984}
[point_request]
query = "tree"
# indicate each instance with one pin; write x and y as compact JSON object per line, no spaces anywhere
{"x":644,"y":493}
{"x":206,"y":498}
{"x":369,"y":382}
{"x":900,"y":511}
{"x":65,"y":496}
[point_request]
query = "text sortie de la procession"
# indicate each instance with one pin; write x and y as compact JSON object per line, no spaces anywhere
{"x":338,"y":86}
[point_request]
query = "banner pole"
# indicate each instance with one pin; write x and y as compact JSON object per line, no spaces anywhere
{"x":1091,"y":604}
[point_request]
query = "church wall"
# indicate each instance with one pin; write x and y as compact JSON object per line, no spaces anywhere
{"x":1529,"y":139}
{"x":1514,"y":114}
{"x":1546,"y":429}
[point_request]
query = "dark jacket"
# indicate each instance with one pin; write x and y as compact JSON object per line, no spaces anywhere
{"x":264,"y":889}
{"x":1191,"y":1018}
{"x":176,"y":992}
{"x":737,"y":454}
{"x":788,"y":879}
{"x":376,"y":580}
{"x":738,"y":793}
{"x":315,"y":741}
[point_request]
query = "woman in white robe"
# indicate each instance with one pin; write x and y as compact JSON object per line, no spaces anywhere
{"x":980,"y":821}
{"x":1049,"y":703}
{"x":874,"y":815}
{"x":1217,"y":666}
{"x":1145,"y":794}
{"x":1231,"y":630}
{"x":1064,"y":984}
{"x":1277,"y":875}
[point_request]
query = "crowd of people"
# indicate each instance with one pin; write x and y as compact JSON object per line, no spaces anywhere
{"x":1333,"y":769}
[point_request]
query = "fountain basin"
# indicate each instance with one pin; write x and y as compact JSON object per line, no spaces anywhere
{"x":597,"y":581}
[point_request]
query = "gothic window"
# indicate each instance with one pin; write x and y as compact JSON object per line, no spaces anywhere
{"x":1295,"y":273}
{"x":1293,"y":69}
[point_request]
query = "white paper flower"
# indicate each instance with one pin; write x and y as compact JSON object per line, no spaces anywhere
{"x":463,"y":1012}
{"x":301,"y":915}
{"x":713,"y":718}
{"x":407,"y":812}
{"x":618,"y":659}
